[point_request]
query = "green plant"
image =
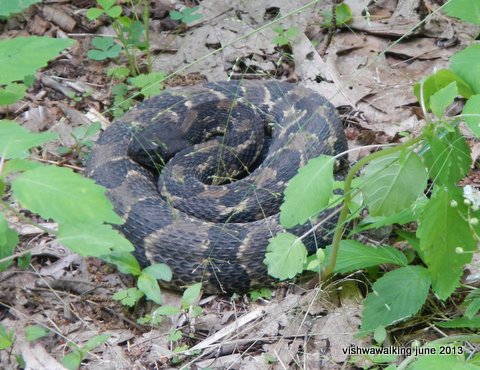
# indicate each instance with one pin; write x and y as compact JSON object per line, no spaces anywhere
{"x":10,"y":7}
{"x":340,"y":15}
{"x":73,"y":360}
{"x":285,"y":36}
{"x":6,"y":337}
{"x":131,"y":33}
{"x":186,"y":15}
{"x":19,"y":59}
{"x":147,"y":283}
{"x":83,"y":140}
{"x":393,"y":188}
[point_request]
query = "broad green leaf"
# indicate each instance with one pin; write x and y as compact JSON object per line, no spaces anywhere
{"x":159,"y":271}
{"x":191,"y":295}
{"x":22,"y":56}
{"x":92,"y":240}
{"x":128,"y":297}
{"x":396,"y":296}
{"x":149,"y":285}
{"x":73,"y":360}
{"x":64,"y":196}
{"x":391,"y":184}
{"x":440,"y":362}
{"x":438,"y":81}
{"x":285,"y":257}
{"x":166,"y":311}
{"x":461,"y":322}
{"x":96,"y":341}
{"x":8,"y":7}
{"x":465,"y":64}
{"x":448,"y":158}
{"x":8,"y":241}
{"x":16,"y":140}
{"x":126,"y":263}
{"x":18,"y":165}
{"x":12,"y":93}
{"x":412,"y":240}
{"x":466,"y":10}
{"x":94,"y":13}
{"x":440,"y":101}
{"x":442,"y":229}
{"x":311,"y":188}
{"x":471,"y":114}
{"x":354,"y":255}
{"x":35,"y":332}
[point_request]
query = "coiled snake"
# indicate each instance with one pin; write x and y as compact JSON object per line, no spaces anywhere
{"x":230,"y":149}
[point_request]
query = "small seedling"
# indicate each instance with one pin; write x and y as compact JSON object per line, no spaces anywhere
{"x":106,"y":47}
{"x":107,"y":7}
{"x":186,"y":15}
{"x":285,"y":36}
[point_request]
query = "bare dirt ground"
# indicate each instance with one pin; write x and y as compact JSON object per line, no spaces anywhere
{"x":367,"y":69}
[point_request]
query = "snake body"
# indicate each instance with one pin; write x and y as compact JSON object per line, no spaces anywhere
{"x":198,"y":174}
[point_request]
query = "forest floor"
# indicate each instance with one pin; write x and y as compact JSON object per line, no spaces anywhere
{"x":366,"y":68}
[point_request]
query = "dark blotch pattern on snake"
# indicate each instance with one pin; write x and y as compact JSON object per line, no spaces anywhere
{"x":198,"y":172}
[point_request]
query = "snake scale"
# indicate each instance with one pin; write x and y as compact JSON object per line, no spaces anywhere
{"x":197,"y":173}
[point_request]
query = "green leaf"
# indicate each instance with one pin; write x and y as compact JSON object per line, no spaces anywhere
{"x":8,"y":241}
{"x":150,"y":84}
{"x":466,"y":10}
{"x":8,"y":7}
{"x":159,"y":271}
{"x":176,"y":16}
{"x":448,"y":158}
{"x":391,"y":184}
{"x":92,"y":240}
{"x":106,"y":4}
{"x":149,"y":285}
{"x":191,"y":295}
{"x":461,"y":322}
{"x":6,"y":337}
{"x":106,"y":48}
{"x":96,"y":341}
{"x":18,"y":165}
{"x":119,"y":73}
{"x":354,"y":255}
{"x":16,"y":140}
{"x":292,"y":32}
{"x":396,"y":296}
{"x":73,"y":360}
{"x":471,"y":114}
{"x":312,"y":187}
{"x":128,"y":297}
{"x":465,"y":64}
{"x":438,"y":81}
{"x":126,"y":263}
{"x":440,"y":362}
{"x":443,"y":98}
{"x":64,"y":196}
{"x":166,"y":311}
{"x":94,"y":13}
{"x":21,"y":56}
{"x":35,"y":332}
{"x":190,"y":15}
{"x":472,"y":303}
{"x":260,"y":293}
{"x":442,"y":229}
{"x":114,"y":12}
{"x":285,"y":257}
{"x":12,"y":93}
{"x":343,"y":15}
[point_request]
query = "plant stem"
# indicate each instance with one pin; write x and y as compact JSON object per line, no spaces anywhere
{"x":337,"y":237}
{"x":146,"y":16}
